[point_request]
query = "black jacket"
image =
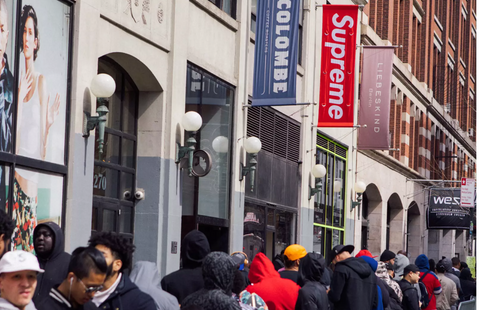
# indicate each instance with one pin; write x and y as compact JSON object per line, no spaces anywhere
{"x":395,"y":302}
{"x":56,"y":301}
{"x":127,"y":296}
{"x":313,"y":294}
{"x":354,"y":285}
{"x":410,"y":296}
{"x":189,"y":279}
{"x":385,"y":296}
{"x":55,"y":266}
{"x":467,"y":283}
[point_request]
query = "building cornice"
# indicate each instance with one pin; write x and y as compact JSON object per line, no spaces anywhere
{"x":392,"y":163}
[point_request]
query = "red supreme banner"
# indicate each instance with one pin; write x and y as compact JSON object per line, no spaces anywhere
{"x":337,"y":75}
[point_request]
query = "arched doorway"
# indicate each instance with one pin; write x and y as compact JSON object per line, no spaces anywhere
{"x":114,"y":179}
{"x":371,"y":219}
{"x":414,"y":233}
{"x":394,"y":223}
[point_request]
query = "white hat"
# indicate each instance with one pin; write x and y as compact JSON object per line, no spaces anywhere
{"x":19,"y":261}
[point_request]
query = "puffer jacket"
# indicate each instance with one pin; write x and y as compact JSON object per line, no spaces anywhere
{"x":313,"y":294}
{"x":218,"y":270}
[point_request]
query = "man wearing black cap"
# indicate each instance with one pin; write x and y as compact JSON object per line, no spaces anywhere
{"x":388,"y":257}
{"x":411,"y":275}
{"x":354,"y":284}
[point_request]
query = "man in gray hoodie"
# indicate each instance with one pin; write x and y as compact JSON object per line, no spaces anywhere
{"x":145,"y":275}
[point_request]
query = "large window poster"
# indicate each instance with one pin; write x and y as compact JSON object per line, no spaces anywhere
{"x":41,"y":79}
{"x":42,"y":83}
{"x":35,"y":205}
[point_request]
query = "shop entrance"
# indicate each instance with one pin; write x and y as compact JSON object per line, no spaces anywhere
{"x":115,"y":170}
{"x":267,"y":229}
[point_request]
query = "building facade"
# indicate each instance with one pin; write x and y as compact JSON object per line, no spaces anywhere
{"x":170,"y":57}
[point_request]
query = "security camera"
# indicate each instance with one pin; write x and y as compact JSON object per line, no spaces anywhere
{"x":140,"y":194}
{"x":127,"y":195}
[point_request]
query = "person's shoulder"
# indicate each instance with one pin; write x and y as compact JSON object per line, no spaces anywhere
{"x":132,"y":292}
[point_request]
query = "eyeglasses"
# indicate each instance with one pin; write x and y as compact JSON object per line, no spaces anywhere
{"x":91,"y":289}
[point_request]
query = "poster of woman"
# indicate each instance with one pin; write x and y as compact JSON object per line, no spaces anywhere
{"x":7,"y":86}
{"x":41,"y":105}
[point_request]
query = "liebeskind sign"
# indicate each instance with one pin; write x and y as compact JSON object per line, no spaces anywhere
{"x":337,"y":72}
{"x":444,"y":210}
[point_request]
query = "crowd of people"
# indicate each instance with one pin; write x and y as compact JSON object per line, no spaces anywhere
{"x":96,"y":277}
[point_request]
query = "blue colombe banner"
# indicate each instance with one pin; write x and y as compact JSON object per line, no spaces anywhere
{"x":276,"y":41}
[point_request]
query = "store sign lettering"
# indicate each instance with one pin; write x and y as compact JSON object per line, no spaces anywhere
{"x":251,"y":217}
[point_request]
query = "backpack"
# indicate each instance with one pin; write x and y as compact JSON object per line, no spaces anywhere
{"x":425,"y":298}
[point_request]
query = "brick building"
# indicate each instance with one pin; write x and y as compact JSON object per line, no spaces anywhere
{"x":432,"y":119}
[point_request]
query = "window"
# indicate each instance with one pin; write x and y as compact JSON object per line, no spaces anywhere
{"x":228,"y":6}
{"x":329,"y":206}
{"x":33,"y":156}
{"x":213,"y":99}
{"x":253,"y":23}
{"x":267,"y":229}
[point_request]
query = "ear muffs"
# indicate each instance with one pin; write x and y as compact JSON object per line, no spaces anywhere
{"x":245,"y":262}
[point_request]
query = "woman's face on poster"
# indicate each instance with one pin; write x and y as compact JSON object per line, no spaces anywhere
{"x":3,"y":33}
{"x":29,"y":40}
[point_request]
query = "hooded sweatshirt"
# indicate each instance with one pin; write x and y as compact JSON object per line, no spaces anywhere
{"x":6,"y":305}
{"x":401,"y":261}
{"x":430,"y":280}
{"x":55,"y":265}
{"x":189,"y":279}
{"x":277,"y":293}
{"x":218,"y":270}
{"x":145,"y":275}
{"x":354,"y":285}
{"x":468,"y":284}
{"x":313,"y":294}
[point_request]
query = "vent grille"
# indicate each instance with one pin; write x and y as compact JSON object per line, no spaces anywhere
{"x":279,"y":135}
{"x":331,"y":146}
{"x":293,"y":153}
{"x":321,"y":141}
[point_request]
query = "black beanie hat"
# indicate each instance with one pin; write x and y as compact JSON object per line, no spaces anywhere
{"x":387,"y":255}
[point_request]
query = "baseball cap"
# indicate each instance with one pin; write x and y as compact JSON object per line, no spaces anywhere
{"x":408,"y":268}
{"x":294,"y":252}
{"x":387,"y":255}
{"x":341,"y":248}
{"x":18,"y":261}
{"x":365,"y":253}
{"x":240,"y":259}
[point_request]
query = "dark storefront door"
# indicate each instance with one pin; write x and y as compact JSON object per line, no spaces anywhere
{"x":114,"y":180}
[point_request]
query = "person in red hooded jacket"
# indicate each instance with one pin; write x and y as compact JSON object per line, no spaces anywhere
{"x":278,"y":293}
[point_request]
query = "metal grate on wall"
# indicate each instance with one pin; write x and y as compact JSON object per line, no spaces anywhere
{"x":331,"y":146}
{"x":279,"y":134}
